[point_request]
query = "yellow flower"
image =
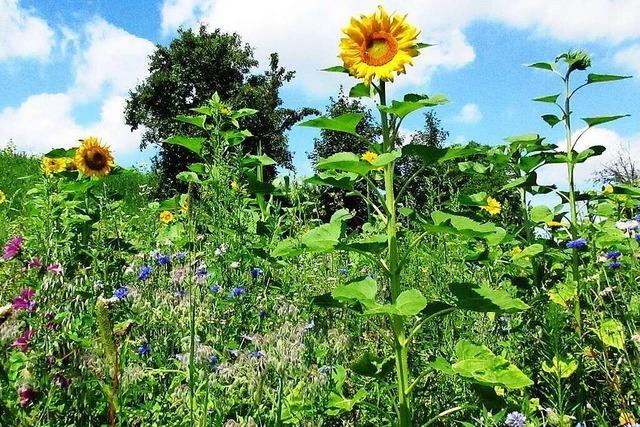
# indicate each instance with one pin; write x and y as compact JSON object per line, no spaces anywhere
{"x":369,"y":156}
{"x":553,"y":224}
{"x":51,"y":166}
{"x":516,"y":251}
{"x":493,"y":206}
{"x":235,"y":186}
{"x":3,"y":198}
{"x":93,"y":158}
{"x":608,"y":189}
{"x":378,"y":45}
{"x":626,"y":417}
{"x":166,"y":217}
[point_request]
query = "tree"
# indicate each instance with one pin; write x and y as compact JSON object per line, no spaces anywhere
{"x":185,"y":74}
{"x":330,"y":142}
{"x":621,"y":170}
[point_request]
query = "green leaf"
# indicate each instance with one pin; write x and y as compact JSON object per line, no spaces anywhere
{"x":562,"y":366}
{"x":543,"y":66}
{"x":404,"y":108}
{"x":287,"y":248}
{"x":594,"y":121}
{"x":431,"y":155}
{"x":362,"y":290}
{"x":480,"y":298}
{"x":346,"y":161}
{"x":582,"y":156}
{"x":344,"y":123}
{"x":332,"y":178}
{"x":611,"y":333}
{"x":188,"y":177}
{"x":423,"y":45}
{"x":360,"y":90}
{"x":529,"y":251}
{"x":254,"y":160}
{"x":540,"y":213}
{"x":600,"y":78}
{"x":549,"y":98}
{"x":243,"y":112}
{"x":374,"y":244}
{"x":197,"y":167}
{"x":336,"y":69}
{"x":551,"y":119}
{"x":323,"y":238}
{"x":386,"y":158}
{"x":61,"y":152}
{"x":370,"y":365}
{"x":192,"y":144}
{"x":563,"y":293}
{"x":410,"y":303}
{"x":194,"y":120}
{"x":478,"y":363}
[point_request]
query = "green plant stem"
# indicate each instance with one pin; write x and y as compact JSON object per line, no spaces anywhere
{"x":572,"y":199}
{"x":393,"y":260}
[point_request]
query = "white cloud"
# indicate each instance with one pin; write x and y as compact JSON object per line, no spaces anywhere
{"x":22,"y":33}
{"x":109,"y":62}
{"x":113,"y":59}
{"x":629,"y":58}
{"x":306,"y":33}
{"x":470,"y":113}
{"x":584,"y":172}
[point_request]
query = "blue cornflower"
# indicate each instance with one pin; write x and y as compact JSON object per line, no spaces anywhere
{"x":614,"y":255}
{"x":237,"y":291}
{"x":214,"y":362}
{"x":201,"y":271}
{"x":263,"y":314}
{"x":163,"y":259}
{"x":638,"y":237}
{"x":342,"y":271}
{"x":615,"y":265}
{"x":121,"y":292}
{"x":515,"y":419}
{"x":145,"y":273}
{"x":144,"y":350}
{"x":215,"y":288}
{"x":577,"y":243}
{"x":180,"y":256}
{"x":256,"y":272}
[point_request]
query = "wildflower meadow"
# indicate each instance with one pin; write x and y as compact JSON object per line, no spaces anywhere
{"x":401,"y":283}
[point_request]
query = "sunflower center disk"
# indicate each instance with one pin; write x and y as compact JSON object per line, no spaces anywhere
{"x":95,"y":160}
{"x":379,"y":49}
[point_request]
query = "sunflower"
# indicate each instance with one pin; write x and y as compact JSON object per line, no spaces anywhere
{"x":553,"y":224}
{"x":3,"y":198}
{"x":493,"y":206}
{"x":166,"y":217}
{"x":378,"y":45}
{"x":51,"y":165}
{"x":184,"y":206}
{"x":369,"y":156}
{"x":93,"y":158}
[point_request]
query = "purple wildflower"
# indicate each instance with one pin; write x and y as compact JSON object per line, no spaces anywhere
{"x":256,"y":272}
{"x":34,"y":263}
{"x":121,"y":293}
{"x":613,"y":255}
{"x":163,"y":259}
{"x":515,"y":419}
{"x":26,"y":394}
{"x":577,"y":243}
{"x":145,"y":273}
{"x":22,"y":342}
{"x":144,"y":350}
{"x":615,"y":265}
{"x":55,"y":268}
{"x":12,"y":248}
{"x":237,"y":291}
{"x":25,"y":300}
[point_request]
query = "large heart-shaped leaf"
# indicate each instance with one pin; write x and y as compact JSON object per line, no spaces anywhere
{"x":362,"y":290}
{"x":191,"y":143}
{"x":481,"y":298}
{"x":594,"y":121}
{"x":345,"y":161}
{"x":344,"y":123}
{"x":611,"y":333}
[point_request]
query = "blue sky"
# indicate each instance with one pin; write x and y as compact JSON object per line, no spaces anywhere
{"x":66,"y":66}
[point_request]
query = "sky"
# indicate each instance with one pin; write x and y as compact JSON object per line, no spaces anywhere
{"x":66,"y":66}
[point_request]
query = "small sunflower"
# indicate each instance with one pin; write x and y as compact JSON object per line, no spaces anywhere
{"x":166,"y":217}
{"x":235,"y":186}
{"x":607,"y":189}
{"x":369,"y":156}
{"x":93,"y":158}
{"x":3,"y":198}
{"x":493,"y":207}
{"x":51,"y":166}
{"x":553,"y":224}
{"x":378,"y":45}
{"x":516,"y":251}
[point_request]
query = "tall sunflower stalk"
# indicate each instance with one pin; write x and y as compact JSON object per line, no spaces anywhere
{"x":376,"y":47}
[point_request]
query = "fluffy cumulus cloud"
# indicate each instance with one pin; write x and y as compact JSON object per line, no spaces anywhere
{"x":22,"y":33}
{"x":629,"y":58}
{"x":270,"y":25}
{"x":584,"y":174}
{"x":108,"y":61}
{"x":470,"y":113}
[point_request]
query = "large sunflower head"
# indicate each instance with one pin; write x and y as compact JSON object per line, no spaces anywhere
{"x":378,"y":45}
{"x":93,"y":158}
